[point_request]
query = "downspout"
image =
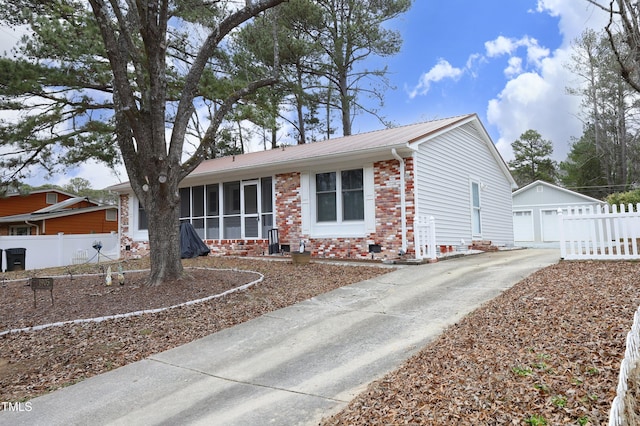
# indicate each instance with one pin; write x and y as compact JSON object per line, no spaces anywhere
{"x":403,"y":201}
{"x":33,"y":225}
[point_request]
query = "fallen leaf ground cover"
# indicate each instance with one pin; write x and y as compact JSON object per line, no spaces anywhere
{"x":36,"y":362}
{"x":545,"y":352}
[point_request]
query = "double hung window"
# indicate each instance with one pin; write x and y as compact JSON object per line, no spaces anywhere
{"x":340,"y":196}
{"x":476,"y":217}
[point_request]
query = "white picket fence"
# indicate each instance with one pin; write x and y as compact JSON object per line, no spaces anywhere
{"x":45,"y":251}
{"x":617,"y":415}
{"x":606,"y":233}
{"x":425,"y":237}
{"x":600,"y":232}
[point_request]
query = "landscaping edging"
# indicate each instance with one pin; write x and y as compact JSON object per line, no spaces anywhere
{"x":142,"y":312}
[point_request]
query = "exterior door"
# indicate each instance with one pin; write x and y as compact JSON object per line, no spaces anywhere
{"x":550,"y":226}
{"x":523,"y":225}
{"x":250,"y":211}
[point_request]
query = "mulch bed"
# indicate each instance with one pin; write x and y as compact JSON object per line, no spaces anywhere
{"x":88,"y":296}
{"x":36,"y":362}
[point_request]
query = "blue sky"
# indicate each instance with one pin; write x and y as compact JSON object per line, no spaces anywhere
{"x":505,"y":60}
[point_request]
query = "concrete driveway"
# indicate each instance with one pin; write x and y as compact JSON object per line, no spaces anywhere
{"x":295,"y":365}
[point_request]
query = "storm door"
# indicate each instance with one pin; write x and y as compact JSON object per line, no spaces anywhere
{"x":250,"y":211}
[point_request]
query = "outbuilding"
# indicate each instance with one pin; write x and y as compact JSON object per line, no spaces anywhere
{"x":535,"y":211}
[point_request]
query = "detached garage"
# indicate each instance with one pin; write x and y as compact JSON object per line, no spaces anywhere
{"x":535,"y":210}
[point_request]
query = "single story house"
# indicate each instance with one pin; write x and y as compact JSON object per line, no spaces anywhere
{"x":347,"y":197}
{"x":50,"y":211}
{"x":535,"y":211}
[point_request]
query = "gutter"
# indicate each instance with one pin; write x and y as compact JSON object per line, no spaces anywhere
{"x":34,"y":226}
{"x":403,"y":201}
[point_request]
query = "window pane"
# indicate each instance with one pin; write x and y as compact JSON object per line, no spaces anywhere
{"x":232,"y":227}
{"x":198,"y":224}
{"x":197,"y":207}
{"x":267,"y":224}
{"x":143,"y":222}
{"x":231,"y":200}
{"x":353,"y":205}
{"x":213,"y":228}
{"x":267,"y":195}
{"x":476,"y":222}
{"x":251,"y":199}
{"x":352,"y":179}
{"x":212,"y":200}
{"x":475,"y":193}
{"x":185,"y":202}
{"x":251,"y":226}
{"x":325,"y":182}
{"x":327,"y":207}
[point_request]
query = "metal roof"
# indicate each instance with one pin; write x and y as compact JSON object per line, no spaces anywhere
{"x":404,"y":139}
{"x":397,"y":137}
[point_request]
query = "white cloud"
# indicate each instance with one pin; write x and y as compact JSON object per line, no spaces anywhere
{"x":574,"y":17}
{"x":442,"y":70}
{"x":508,"y":46}
{"x":500,"y":46}
{"x":536,"y":53}
{"x":514,"y":68}
{"x":538,"y":101}
{"x":536,"y":98}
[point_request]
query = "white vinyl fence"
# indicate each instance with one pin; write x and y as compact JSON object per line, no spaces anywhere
{"x":608,"y":233}
{"x":425,"y":237}
{"x":600,"y":232}
{"x":45,"y":251}
{"x":618,"y":413}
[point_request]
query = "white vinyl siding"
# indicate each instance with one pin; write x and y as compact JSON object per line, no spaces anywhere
{"x":445,"y":166}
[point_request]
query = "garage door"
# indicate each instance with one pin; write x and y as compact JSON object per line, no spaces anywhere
{"x":550,"y":228}
{"x":523,"y":225}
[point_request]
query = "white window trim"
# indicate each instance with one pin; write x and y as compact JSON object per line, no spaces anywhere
{"x":136,"y":233}
{"x":473,"y":209}
{"x":338,"y":229}
{"x":111,"y":215}
{"x":13,"y":230}
{"x":51,"y":198}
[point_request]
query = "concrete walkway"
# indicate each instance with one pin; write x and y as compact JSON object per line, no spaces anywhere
{"x":293,"y":366}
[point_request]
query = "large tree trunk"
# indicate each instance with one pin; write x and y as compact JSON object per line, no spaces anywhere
{"x":298,"y":92}
{"x":135,"y":38}
{"x":345,"y":105}
{"x":163,"y":213}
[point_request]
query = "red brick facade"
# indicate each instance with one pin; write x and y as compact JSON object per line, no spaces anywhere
{"x":388,"y":204}
{"x":288,"y":220}
{"x":289,"y":209}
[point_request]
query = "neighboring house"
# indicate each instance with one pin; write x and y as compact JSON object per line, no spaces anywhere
{"x":346,"y":197}
{"x":50,"y":211}
{"x":535,"y":210}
